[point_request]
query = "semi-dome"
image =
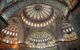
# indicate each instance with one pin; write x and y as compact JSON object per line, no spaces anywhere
{"x":41,"y":39}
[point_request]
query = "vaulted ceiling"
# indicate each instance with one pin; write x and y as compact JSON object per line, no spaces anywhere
{"x":37,"y":23}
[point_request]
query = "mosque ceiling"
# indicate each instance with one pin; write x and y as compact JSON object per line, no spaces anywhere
{"x":39,"y":24}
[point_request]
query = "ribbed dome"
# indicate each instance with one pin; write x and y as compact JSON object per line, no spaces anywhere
{"x":38,"y":15}
{"x":38,"y":11}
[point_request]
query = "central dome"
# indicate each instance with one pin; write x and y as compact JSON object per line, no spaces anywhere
{"x":38,"y":15}
{"x":38,"y":12}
